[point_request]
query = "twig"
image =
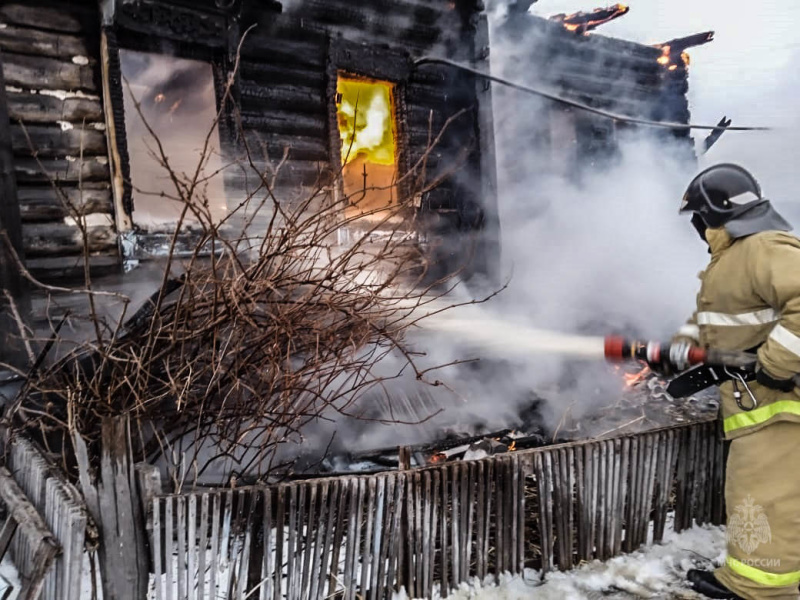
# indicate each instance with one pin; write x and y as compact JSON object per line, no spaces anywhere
{"x":23,"y":334}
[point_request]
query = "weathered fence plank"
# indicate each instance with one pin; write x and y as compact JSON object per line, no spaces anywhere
{"x":365,"y":536}
{"x":30,"y":526}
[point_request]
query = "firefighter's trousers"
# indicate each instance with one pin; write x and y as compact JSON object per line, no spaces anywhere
{"x":762,"y":494}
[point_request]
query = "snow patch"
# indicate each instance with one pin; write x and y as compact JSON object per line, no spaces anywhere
{"x":65,"y":125}
{"x":80,"y":60}
{"x":98,"y":126}
{"x":653,"y":572}
{"x":64,"y":94}
{"x":9,"y":578}
{"x":14,"y":90}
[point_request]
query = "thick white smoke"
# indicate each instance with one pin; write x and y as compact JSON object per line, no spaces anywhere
{"x":749,"y":73}
{"x":606,"y":252}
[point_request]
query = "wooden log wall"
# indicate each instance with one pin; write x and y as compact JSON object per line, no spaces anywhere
{"x":284,"y":106}
{"x":51,"y":65}
{"x":287,"y":83}
{"x":616,"y":75}
{"x":62,"y":509}
{"x":364,"y":537}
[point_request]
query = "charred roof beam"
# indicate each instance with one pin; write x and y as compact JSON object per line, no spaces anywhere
{"x":584,"y":22}
{"x":679,"y":45}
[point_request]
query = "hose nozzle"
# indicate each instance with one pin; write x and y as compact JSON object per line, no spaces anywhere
{"x":621,"y":349}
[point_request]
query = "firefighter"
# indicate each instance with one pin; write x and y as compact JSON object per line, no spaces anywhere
{"x":750,"y":301}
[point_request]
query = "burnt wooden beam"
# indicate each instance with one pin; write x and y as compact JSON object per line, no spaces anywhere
{"x":54,"y":141}
{"x":288,"y":52}
{"x":42,"y":204}
{"x":584,"y":22}
{"x":172,"y":22}
{"x":41,"y":108}
{"x":294,"y":173}
{"x":370,"y":61}
{"x":91,"y":169}
{"x":542,"y":34}
{"x":714,"y":136}
{"x":286,"y":122}
{"x":299,"y":148}
{"x":283,"y":97}
{"x":64,"y":17}
{"x":678,"y":45}
{"x":49,"y":239}
{"x":11,"y":224}
{"x":489,"y":253}
{"x":62,"y":269}
{"x":282,"y":74}
{"x":114,"y":107}
{"x":37,"y":73}
{"x":26,"y":40}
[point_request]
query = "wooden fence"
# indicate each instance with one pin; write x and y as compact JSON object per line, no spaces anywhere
{"x":62,"y":509}
{"x":367,"y":536}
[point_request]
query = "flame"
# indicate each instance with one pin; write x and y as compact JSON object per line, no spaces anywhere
{"x":665,"y":57}
{"x":631,"y":379}
{"x":159,"y":98}
{"x":686,"y":59}
{"x":366,"y":124}
{"x":673,"y":67}
{"x":513,"y":446}
{"x":438,"y":458}
{"x":586,"y":22}
{"x":175,"y":106}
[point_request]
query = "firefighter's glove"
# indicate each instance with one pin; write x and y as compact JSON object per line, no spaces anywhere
{"x":767,"y":380}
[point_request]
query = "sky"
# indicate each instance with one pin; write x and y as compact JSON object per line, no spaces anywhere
{"x":749,"y":73}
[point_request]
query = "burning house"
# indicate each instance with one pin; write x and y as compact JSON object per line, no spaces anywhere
{"x":566,"y":56}
{"x":378,"y":105}
{"x":305,"y":73}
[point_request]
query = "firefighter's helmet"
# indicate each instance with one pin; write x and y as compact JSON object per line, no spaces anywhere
{"x":719,"y":194}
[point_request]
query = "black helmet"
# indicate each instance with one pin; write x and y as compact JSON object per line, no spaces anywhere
{"x":719,"y":194}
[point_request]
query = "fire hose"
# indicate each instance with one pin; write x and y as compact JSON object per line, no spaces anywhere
{"x":709,"y":366}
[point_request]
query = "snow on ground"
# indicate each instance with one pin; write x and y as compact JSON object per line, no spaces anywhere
{"x":654,"y":572}
{"x":9,"y":578}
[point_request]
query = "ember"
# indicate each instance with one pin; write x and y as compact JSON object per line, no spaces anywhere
{"x":632,"y":379}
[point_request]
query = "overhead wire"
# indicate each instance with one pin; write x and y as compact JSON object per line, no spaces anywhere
{"x":425,"y":60}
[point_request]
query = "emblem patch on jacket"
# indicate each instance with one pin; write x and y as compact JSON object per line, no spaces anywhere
{"x":748,"y":526}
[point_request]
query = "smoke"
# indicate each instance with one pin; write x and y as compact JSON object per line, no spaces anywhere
{"x":749,"y":73}
{"x":603,"y":250}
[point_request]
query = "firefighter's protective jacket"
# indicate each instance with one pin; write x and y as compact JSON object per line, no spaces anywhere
{"x":750,"y":298}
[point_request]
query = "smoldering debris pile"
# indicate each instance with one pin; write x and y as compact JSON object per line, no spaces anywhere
{"x":642,"y":404}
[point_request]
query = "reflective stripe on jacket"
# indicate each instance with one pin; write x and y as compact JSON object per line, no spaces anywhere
{"x":750,"y":297}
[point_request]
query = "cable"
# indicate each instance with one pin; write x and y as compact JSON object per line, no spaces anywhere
{"x":596,"y":111}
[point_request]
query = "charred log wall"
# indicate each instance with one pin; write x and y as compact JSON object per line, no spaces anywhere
{"x":616,"y":75}
{"x":51,"y":63}
{"x":288,"y":82}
